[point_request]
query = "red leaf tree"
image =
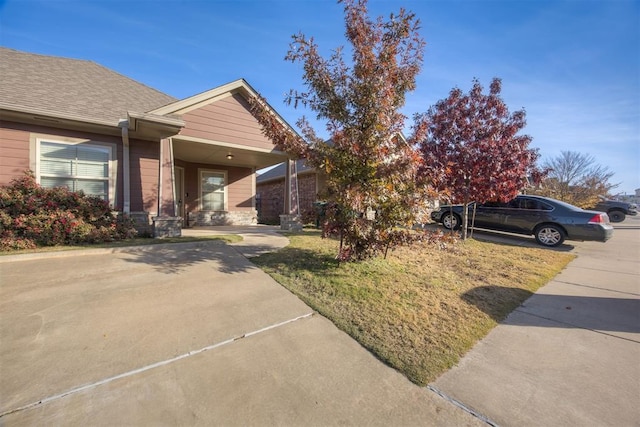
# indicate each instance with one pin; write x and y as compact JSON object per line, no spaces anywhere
{"x":368,"y":163}
{"x":472,"y":149}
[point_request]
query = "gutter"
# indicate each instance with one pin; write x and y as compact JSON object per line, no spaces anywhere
{"x":46,"y":116}
{"x":153,"y":118}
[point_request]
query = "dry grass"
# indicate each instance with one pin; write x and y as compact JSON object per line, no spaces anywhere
{"x":423,"y":307}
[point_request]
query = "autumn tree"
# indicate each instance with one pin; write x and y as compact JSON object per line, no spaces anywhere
{"x":370,"y":167}
{"x":576,"y":178}
{"x":472,"y":149}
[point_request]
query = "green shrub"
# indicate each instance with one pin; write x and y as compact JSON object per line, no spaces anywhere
{"x":33,"y":216}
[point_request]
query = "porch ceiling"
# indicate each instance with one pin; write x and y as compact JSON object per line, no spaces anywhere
{"x":196,"y":152}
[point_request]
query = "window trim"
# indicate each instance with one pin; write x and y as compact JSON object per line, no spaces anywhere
{"x":111,"y":163}
{"x":202,"y":171}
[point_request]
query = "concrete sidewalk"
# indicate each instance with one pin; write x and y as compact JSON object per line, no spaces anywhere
{"x":186,"y":334}
{"x":570,"y":355}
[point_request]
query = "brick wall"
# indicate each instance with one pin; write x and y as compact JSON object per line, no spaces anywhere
{"x":271,"y":199}
{"x":308,"y":194}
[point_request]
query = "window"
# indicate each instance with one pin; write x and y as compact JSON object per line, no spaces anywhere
{"x":213,"y":190}
{"x":79,"y":167}
{"x":494,"y":205}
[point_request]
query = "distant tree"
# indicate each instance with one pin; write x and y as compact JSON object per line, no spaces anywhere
{"x":576,"y":178}
{"x":370,"y":167}
{"x":471,"y":148}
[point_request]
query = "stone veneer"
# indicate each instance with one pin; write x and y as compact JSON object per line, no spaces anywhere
{"x":204,"y":218}
{"x":167,"y":226}
{"x":290,"y":223}
{"x":143,"y":223}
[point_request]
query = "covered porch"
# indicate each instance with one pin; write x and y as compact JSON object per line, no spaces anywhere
{"x":215,"y":184}
{"x":208,"y":168}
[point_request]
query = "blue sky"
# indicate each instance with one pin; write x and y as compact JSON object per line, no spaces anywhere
{"x":573,"y":65}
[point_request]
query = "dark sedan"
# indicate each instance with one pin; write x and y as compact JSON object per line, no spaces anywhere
{"x":550,"y":221}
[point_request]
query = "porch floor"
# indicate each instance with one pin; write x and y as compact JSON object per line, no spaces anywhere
{"x":229,"y":229}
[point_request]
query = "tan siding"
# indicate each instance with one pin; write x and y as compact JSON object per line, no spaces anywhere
{"x":144,"y":158}
{"x":228,"y":120}
{"x":14,"y":154}
{"x":240,"y":195}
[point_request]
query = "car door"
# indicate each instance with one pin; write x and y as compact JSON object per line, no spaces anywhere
{"x":489,"y":215}
{"x":523,"y":215}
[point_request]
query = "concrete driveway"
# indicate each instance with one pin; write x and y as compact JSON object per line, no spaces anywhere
{"x":188,"y":334}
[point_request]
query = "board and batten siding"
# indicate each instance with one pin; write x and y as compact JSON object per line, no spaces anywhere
{"x":227,"y":120}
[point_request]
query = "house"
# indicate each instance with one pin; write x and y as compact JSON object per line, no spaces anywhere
{"x":271,"y":192}
{"x":165,"y":162}
{"x":306,"y":190}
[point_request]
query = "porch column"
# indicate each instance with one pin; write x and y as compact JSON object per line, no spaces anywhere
{"x":287,"y":187}
{"x":166,"y":224}
{"x":166,"y":198}
{"x":291,"y":206}
{"x":291,"y":218}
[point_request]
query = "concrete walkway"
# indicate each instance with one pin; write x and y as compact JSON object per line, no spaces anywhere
{"x":570,"y":355}
{"x":256,"y":239}
{"x":186,"y":334}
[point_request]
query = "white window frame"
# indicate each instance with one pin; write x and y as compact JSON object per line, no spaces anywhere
{"x":92,"y":144}
{"x":224,"y":173}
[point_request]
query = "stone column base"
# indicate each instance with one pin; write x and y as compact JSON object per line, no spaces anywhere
{"x":167,"y":226}
{"x":290,"y":223}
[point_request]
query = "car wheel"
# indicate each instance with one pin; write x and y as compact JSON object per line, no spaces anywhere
{"x":451,"y":221}
{"x":616,"y":216}
{"x":549,"y":235}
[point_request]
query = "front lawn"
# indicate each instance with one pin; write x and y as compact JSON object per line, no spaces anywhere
{"x":424,"y":306}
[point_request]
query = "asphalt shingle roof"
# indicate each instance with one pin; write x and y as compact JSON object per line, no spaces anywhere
{"x":80,"y":88}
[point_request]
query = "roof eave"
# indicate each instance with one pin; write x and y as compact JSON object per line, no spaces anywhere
{"x":38,"y":117}
{"x":45,"y":116}
{"x":147,"y":125}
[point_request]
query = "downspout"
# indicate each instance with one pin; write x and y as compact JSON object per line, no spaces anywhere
{"x":160,"y":176}
{"x":126,"y":180}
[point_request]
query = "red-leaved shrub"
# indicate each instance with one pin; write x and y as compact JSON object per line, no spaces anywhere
{"x":32,"y":216}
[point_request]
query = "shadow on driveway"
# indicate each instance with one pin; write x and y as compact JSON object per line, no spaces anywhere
{"x":177,"y":257}
{"x":587,"y":312}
